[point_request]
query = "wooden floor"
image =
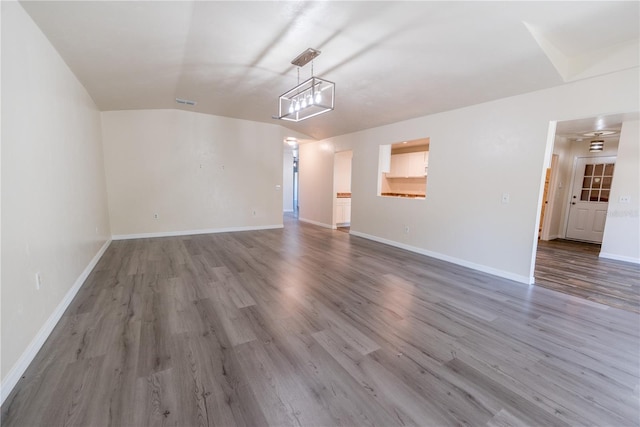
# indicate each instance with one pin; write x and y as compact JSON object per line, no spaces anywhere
{"x":309,"y":326}
{"x":576,"y":269}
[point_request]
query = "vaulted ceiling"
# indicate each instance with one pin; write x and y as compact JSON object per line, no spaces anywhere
{"x":390,"y":61}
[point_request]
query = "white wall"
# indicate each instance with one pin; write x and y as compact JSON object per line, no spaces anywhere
{"x":315,"y":175}
{"x":287,"y":180}
{"x":476,"y":154}
{"x":198,"y":172}
{"x":622,"y":231}
{"x":54,"y":203}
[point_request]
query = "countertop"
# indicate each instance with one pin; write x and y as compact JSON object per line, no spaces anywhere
{"x":410,"y":196}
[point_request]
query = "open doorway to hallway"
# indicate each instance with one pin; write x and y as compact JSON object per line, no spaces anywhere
{"x":290,"y":164}
{"x":582,"y":180}
{"x":342,"y":190}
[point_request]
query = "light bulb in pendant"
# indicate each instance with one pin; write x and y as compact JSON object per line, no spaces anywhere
{"x":297,"y":108}
{"x":318,"y":97}
{"x":291,"y":107}
{"x":310,"y":99}
{"x":304,"y":102}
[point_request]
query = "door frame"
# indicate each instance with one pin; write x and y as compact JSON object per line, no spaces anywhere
{"x":551,"y":197}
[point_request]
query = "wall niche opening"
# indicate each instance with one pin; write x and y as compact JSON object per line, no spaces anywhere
{"x":403,"y":169}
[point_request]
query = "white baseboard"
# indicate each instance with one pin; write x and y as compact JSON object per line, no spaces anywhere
{"x":320,"y":224}
{"x":193,"y":232}
{"x":38,"y":341}
{"x":288,"y":210}
{"x":479,"y":267}
{"x":619,"y":257}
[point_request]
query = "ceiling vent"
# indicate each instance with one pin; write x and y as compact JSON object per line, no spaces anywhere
{"x":185,"y":101}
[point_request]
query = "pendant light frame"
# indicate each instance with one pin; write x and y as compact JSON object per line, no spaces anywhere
{"x":310,"y":98}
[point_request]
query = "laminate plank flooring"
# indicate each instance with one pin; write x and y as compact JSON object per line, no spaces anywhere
{"x":576,"y":269}
{"x":313,"y":327}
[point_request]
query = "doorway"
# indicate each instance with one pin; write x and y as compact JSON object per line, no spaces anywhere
{"x":572,"y":181}
{"x":342,"y":190}
{"x":290,"y":178}
{"x":573,"y":219}
{"x":296,"y":163}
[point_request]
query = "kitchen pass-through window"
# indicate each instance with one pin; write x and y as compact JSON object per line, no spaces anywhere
{"x":403,"y":169}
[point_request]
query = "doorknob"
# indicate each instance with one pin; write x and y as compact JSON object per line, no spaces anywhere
{"x":573,"y":203}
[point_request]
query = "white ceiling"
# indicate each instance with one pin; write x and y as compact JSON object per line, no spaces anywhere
{"x":391,"y":61}
{"x":576,"y":129}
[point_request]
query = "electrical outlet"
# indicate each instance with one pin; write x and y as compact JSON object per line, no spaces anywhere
{"x":156,"y":216}
{"x":38,"y":282}
{"x":254,"y":212}
{"x":406,"y":229}
{"x":625,"y":199}
{"x":505,"y":198}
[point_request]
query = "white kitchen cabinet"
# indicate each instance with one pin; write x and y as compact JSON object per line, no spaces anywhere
{"x":343,"y":211}
{"x":385,"y":158}
{"x":408,"y":165}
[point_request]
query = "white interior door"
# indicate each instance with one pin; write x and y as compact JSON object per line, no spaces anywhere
{"x":590,"y":198}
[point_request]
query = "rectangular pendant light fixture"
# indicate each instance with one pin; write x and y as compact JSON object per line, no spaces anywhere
{"x":308,"y":99}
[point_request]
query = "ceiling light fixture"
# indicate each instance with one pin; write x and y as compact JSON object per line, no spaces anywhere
{"x":598,"y":133}
{"x":597,"y":144}
{"x":308,"y":99}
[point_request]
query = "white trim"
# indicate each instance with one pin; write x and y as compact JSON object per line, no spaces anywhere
{"x":320,"y":224}
{"x":479,"y":267}
{"x":551,"y":196}
{"x":619,"y":257}
{"x":548,"y":156}
{"x":38,"y":341}
{"x":193,"y":232}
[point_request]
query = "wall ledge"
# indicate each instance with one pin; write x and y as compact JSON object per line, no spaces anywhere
{"x":478,"y":267}
{"x":19,"y":368}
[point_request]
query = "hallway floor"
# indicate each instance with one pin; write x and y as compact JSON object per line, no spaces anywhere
{"x":574,"y":268}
